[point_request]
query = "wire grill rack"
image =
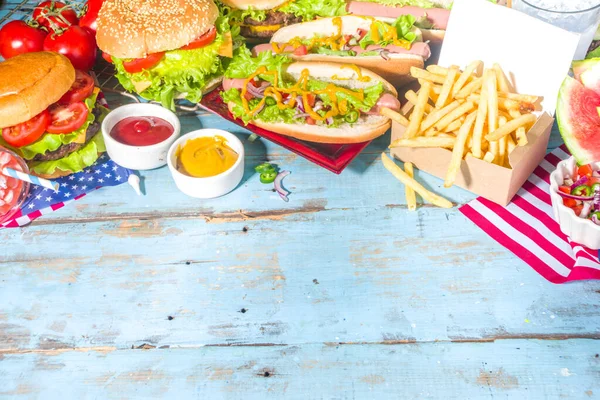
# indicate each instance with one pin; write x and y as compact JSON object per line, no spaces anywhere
{"x":103,"y":72}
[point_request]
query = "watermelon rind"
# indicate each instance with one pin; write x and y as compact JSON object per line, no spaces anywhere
{"x":591,"y":78}
{"x":579,"y":120}
{"x":581,"y":66}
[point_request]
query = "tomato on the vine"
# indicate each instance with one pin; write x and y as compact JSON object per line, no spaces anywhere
{"x":77,"y":44}
{"x":27,"y":132}
{"x":17,"y":37}
{"x":88,"y":20}
{"x":55,"y":15}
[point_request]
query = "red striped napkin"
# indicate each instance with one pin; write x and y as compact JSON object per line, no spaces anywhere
{"x":527,"y":227}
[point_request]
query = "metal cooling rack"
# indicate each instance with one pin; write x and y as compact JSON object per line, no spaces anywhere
{"x":103,"y":72}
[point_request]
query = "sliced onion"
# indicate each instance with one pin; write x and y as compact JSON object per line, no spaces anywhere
{"x":572,"y":196}
{"x":300,"y":104}
{"x":329,"y":120}
{"x":302,"y":115}
{"x":595,"y":219}
{"x":255,"y":91}
{"x":581,"y":181}
{"x":597,"y":200}
{"x":585,"y":211}
{"x":318,"y":105}
{"x":384,"y":54}
{"x":283,"y":193}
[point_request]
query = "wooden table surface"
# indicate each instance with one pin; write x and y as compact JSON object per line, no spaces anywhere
{"x":340,"y":293}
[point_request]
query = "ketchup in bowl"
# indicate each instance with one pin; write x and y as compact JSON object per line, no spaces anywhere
{"x":141,"y":131}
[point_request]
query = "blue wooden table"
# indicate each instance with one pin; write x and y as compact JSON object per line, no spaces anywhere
{"x":340,"y":293}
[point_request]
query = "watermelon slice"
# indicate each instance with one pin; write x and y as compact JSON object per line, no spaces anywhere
{"x":579,"y":120}
{"x":581,"y":66}
{"x":591,"y":78}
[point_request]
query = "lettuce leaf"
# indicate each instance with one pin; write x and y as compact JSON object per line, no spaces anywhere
{"x":243,"y":64}
{"x":51,"y":142}
{"x":416,"y":3}
{"x":403,"y":25}
{"x":184,"y":72}
{"x":371,"y":95}
{"x":329,"y":52}
{"x":74,"y":162}
{"x":306,"y":9}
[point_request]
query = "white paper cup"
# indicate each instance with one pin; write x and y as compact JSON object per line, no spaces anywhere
{"x":139,"y":157}
{"x":212,"y":186}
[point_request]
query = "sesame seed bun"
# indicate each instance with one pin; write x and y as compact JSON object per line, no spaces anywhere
{"x":136,"y":28}
{"x":255,"y":4}
{"x":30,"y":82}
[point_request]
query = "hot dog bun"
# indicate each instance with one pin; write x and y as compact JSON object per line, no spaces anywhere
{"x":395,"y":70}
{"x":367,"y":128}
{"x":30,"y":82}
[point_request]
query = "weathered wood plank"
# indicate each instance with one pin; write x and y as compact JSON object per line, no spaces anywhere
{"x":364,"y":275}
{"x":516,"y":369}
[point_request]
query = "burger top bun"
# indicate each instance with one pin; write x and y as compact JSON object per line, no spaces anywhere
{"x":30,"y":82}
{"x":255,"y":4}
{"x":136,"y":28}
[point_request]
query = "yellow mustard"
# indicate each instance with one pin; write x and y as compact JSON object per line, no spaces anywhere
{"x":205,"y":156}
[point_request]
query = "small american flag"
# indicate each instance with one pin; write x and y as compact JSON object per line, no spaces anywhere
{"x":41,"y":201}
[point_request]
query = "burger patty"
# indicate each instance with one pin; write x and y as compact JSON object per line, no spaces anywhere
{"x":272,"y":18}
{"x":67,"y":149}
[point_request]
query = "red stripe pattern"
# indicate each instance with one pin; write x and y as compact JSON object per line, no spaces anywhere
{"x":527,"y":228}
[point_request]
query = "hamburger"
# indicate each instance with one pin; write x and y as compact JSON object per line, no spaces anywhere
{"x":259,"y":19}
{"x":166,"y":49}
{"x":431,"y":16}
{"x":49,"y":114}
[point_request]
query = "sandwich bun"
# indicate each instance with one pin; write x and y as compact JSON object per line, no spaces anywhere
{"x":368,"y":127}
{"x":136,"y":28}
{"x":395,"y":70}
{"x":31,"y":82}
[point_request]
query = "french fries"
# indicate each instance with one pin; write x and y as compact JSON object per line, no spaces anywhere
{"x":413,"y":184}
{"x":471,"y":112}
{"x":411,"y":197}
{"x":394,"y":116}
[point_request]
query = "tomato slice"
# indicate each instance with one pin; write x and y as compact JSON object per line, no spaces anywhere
{"x":204,"y":40}
{"x":362,"y":33}
{"x":107,"y":57}
{"x":80,"y":90}
{"x":570,"y":202}
{"x":585,"y":170}
{"x":310,"y":121}
{"x":577,"y":209}
{"x":565,"y":189}
{"x":27,"y":132}
{"x":311,"y":99}
{"x":140,"y":64}
{"x":67,"y":118}
{"x":301,"y":50}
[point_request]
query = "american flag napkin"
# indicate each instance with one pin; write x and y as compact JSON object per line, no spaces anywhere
{"x":41,"y":201}
{"x":527,"y":227}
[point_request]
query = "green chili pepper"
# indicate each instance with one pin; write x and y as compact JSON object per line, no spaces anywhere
{"x":268,"y":176}
{"x":265,"y":167}
{"x":582,"y":190}
{"x":596,"y":213}
{"x":270,"y":101}
{"x":351,"y":116}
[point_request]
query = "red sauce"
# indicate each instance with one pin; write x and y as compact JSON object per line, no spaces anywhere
{"x":141,"y":131}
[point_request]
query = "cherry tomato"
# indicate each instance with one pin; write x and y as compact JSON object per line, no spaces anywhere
{"x":88,"y":20}
{"x":310,"y":121}
{"x":570,"y":202}
{"x":55,"y":15}
{"x":107,"y":57}
{"x":80,"y":89}
{"x":17,"y":37}
{"x":140,"y":64}
{"x":67,"y":118}
{"x":204,"y":40}
{"x":585,"y":170}
{"x":311,"y":99}
{"x":28,"y":131}
{"x":300,"y":50}
{"x":77,"y":44}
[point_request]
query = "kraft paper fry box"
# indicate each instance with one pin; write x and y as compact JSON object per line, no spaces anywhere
{"x":535,"y":56}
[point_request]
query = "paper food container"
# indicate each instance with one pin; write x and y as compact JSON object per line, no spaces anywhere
{"x":535,"y":56}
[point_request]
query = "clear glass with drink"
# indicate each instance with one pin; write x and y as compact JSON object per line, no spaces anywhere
{"x":578,"y":16}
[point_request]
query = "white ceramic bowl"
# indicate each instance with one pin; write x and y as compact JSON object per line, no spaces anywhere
{"x":580,"y":230}
{"x":139,"y":157}
{"x":212,"y":186}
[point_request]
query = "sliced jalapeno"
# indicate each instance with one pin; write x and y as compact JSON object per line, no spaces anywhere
{"x":582,"y":190}
{"x":351,"y":116}
{"x":264,"y":167}
{"x":268,"y":176}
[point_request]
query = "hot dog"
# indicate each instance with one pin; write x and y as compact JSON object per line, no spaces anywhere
{"x":318,"y":102}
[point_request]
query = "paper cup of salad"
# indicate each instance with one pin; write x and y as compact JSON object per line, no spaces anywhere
{"x":575,"y":194}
